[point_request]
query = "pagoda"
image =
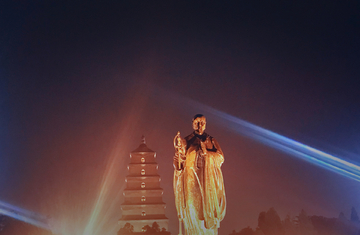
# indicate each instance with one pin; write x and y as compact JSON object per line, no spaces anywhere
{"x":143,"y":204}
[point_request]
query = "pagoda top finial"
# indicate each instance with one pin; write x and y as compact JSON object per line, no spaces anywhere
{"x":143,"y":147}
{"x":143,"y":139}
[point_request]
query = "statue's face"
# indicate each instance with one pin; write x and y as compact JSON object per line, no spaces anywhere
{"x":199,"y":125}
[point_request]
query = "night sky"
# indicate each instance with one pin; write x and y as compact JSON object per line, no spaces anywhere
{"x":80,"y":83}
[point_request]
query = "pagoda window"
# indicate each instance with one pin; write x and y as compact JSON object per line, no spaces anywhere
{"x":143,"y":198}
{"x":142,"y":160}
{"x":142,"y":171}
{"x":143,"y":213}
{"x":143,"y":185}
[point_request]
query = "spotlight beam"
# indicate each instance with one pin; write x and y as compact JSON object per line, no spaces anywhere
{"x":294,"y":148}
{"x":287,"y":145}
{"x":24,"y":215}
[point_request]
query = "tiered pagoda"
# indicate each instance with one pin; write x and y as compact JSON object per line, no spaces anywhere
{"x":143,"y":204}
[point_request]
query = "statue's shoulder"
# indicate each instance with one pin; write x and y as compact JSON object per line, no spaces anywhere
{"x":189,"y":137}
{"x":209,"y":137}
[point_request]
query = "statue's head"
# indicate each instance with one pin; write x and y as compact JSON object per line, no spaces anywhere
{"x":199,"y":124}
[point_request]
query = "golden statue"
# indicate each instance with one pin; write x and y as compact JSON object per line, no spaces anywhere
{"x":198,"y":181}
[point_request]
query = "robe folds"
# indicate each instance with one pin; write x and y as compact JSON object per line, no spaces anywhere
{"x":199,"y":191}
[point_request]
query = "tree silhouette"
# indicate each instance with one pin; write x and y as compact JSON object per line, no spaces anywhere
{"x":246,"y":231}
{"x":127,"y":229}
{"x":354,"y":216}
{"x":342,"y":216}
{"x":289,"y":226}
{"x":147,"y":229}
{"x":269,"y":222}
{"x":304,"y":224}
{"x":154,"y":229}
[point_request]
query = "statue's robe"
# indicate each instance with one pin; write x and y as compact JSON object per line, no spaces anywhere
{"x":199,"y":187}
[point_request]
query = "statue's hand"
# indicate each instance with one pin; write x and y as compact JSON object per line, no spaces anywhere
{"x":200,"y":160}
{"x":177,"y":161}
{"x":203,"y":148}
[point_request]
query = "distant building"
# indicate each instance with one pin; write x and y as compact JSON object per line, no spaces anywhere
{"x":143,"y":204}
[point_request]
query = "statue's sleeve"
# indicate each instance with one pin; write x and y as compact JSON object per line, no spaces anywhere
{"x":214,"y":193}
{"x":178,"y":184}
{"x":219,"y":157}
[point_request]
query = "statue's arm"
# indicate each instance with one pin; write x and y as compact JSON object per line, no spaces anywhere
{"x":220,"y":155}
{"x":217,"y":147}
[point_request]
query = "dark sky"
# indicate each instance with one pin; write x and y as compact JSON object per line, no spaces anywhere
{"x":82,"y":82}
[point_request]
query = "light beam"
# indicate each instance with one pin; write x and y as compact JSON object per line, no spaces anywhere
{"x":272,"y":139}
{"x":287,"y":145}
{"x":24,"y":215}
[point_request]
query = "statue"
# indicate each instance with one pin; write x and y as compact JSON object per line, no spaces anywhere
{"x":198,"y":181}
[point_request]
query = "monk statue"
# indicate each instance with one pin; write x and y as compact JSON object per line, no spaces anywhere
{"x":198,"y":181}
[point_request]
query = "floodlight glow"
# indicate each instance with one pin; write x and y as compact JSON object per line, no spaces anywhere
{"x":23,"y":215}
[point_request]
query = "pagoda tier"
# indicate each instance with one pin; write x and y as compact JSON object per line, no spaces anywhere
{"x":143,"y":204}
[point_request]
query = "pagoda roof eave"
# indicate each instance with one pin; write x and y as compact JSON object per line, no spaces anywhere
{"x":143,"y":189}
{"x":131,"y":218}
{"x":143,"y":149}
{"x":142,"y":204}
